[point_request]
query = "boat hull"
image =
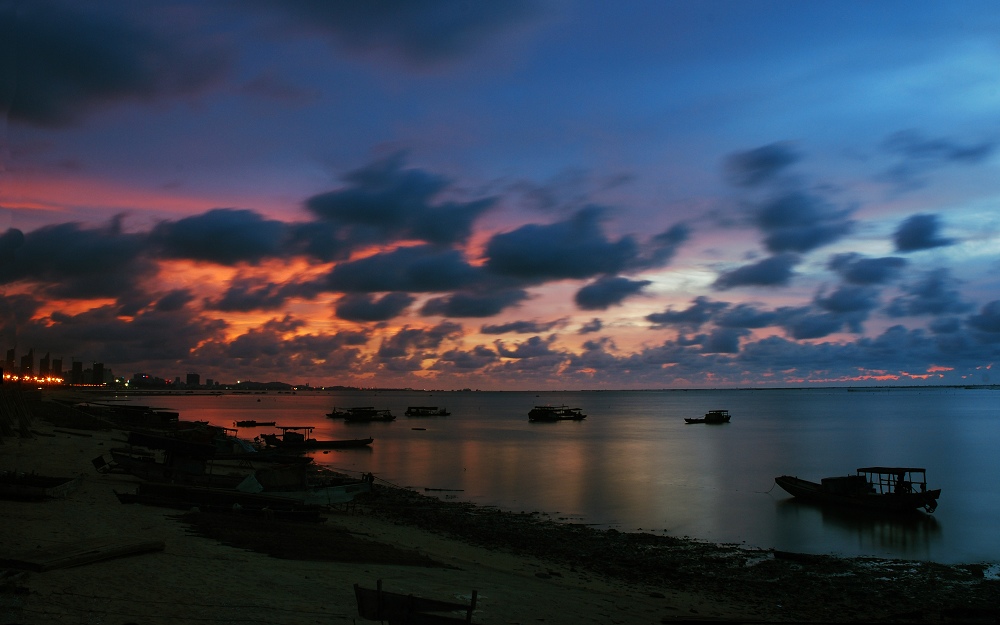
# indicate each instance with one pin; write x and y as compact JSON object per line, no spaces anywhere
{"x":888,"y":502}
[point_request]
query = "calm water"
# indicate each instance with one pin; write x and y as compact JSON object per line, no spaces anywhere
{"x":634,"y":464}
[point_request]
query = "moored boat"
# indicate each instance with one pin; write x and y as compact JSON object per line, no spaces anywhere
{"x":361,"y":414}
{"x":555,"y":413}
{"x":426,"y":411}
{"x":712,"y":416}
{"x":299,"y":438}
{"x":890,"y":489}
{"x":250,"y":423}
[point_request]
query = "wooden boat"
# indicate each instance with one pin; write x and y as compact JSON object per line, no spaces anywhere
{"x":361,"y":414}
{"x":712,"y":416}
{"x":253,"y":424}
{"x":426,"y":411}
{"x":556,"y":413}
{"x":890,"y":489}
{"x":34,"y":487}
{"x":299,"y":438}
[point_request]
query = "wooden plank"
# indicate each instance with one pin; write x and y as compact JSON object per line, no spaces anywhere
{"x":65,"y":555}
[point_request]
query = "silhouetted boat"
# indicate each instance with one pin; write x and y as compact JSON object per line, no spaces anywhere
{"x":426,"y":411}
{"x":556,"y":413}
{"x":361,"y":414}
{"x":299,"y":438}
{"x":34,"y":487}
{"x":252,"y":424}
{"x":890,"y":489}
{"x":712,"y":416}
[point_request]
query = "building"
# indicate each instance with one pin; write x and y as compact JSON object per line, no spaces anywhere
{"x":193,"y":379}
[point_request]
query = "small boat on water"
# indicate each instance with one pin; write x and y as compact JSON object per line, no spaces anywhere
{"x":426,"y":411}
{"x":252,"y":424}
{"x":889,"y":489}
{"x":361,"y":414}
{"x":299,"y":438}
{"x":712,"y":416}
{"x":556,"y":413}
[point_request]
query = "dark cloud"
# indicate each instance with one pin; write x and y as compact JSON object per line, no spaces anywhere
{"x":474,"y":303}
{"x":224,"y":236}
{"x":386,"y":202}
{"x":919,"y":154}
{"x":933,"y":294}
{"x":723,"y":341}
{"x":919,"y":232}
{"x":746,"y":316}
{"x":855,"y":269}
{"x":800,"y":222}
{"x":944,"y":325}
{"x":534,"y":347}
{"x":608,"y":291}
{"x":699,"y":312}
{"x":421,"y":268}
{"x":988,"y":319}
{"x":174,"y":300}
{"x":849,"y":299}
{"x":575,"y":248}
{"x":408,"y":341}
{"x":16,"y":312}
{"x":421,"y":33}
{"x":662,"y":247}
{"x":594,"y":325}
{"x":10,"y":242}
{"x":72,"y":261}
{"x":247,"y":294}
{"x":773,"y":271}
{"x":520,"y":327}
{"x":363,"y":307}
{"x":65,"y":59}
{"x":478,"y":358}
{"x":805,"y":323}
{"x":760,"y":165}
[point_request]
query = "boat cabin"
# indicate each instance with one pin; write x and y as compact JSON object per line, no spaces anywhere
{"x":896,"y":480}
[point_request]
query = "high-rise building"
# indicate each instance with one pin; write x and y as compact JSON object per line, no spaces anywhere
{"x":98,"y":373}
{"x":43,"y":366}
{"x":28,"y":363}
{"x":56,"y":368}
{"x":76,"y":374}
{"x":193,"y":379}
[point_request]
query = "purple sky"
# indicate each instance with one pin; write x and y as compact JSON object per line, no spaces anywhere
{"x":516,"y":195}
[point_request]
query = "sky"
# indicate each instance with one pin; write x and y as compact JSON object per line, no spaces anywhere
{"x":504,"y":196}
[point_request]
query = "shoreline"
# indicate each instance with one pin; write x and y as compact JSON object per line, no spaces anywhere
{"x":525,"y":567}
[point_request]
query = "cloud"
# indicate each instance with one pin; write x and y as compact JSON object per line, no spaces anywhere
{"x":855,"y":269}
{"x":919,"y":232}
{"x":73,"y":261}
{"x":174,"y":300}
{"x":723,"y":341}
{"x":246,"y":294}
{"x":918,"y":155}
{"x":474,"y":303}
{"x":478,"y":358}
{"x":363,"y":307}
{"x":932,"y":294}
{"x":571,"y":249}
{"x":699,"y":312}
{"x":849,"y":299}
{"x":423,"y":33}
{"x":67,"y":59}
{"x":760,"y":165}
{"x":608,"y":291}
{"x":520,"y":327}
{"x":534,"y":347}
{"x":988,"y":319}
{"x":420,"y":268}
{"x":773,"y":271}
{"x":407,"y":340}
{"x":594,"y":325}
{"x":385,"y":202}
{"x":746,"y":316}
{"x":225,"y":236}
{"x":800,"y":222}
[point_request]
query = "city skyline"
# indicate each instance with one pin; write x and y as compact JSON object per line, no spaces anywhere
{"x":531,"y":195}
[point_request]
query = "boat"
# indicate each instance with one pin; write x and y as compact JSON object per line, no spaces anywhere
{"x":556,"y":413}
{"x":299,"y":438}
{"x":426,"y":411}
{"x":712,"y":416}
{"x":361,"y":414}
{"x":253,"y":424}
{"x":890,"y":489}
{"x":35,"y":487}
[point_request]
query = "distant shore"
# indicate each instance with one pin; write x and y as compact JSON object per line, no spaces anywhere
{"x":525,"y":567}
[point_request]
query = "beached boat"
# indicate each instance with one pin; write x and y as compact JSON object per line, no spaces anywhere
{"x":890,"y":489}
{"x":426,"y":411}
{"x":35,"y":487}
{"x":253,"y":424}
{"x":556,"y":413}
{"x":361,"y":414}
{"x":299,"y":438}
{"x":712,"y":416}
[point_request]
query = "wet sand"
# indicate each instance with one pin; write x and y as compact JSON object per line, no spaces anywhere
{"x":525,"y":567}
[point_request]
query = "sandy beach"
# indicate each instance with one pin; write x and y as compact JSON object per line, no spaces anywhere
{"x":524,"y":567}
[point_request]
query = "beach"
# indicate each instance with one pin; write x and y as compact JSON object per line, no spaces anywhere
{"x":525,"y":568}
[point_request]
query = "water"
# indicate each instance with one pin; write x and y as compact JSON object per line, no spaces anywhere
{"x":634,"y":464}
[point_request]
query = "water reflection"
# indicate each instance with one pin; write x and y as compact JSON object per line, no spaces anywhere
{"x":914,"y":535}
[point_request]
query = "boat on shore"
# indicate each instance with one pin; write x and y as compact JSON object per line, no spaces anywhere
{"x":712,"y":416}
{"x":556,"y":413}
{"x":361,"y":414}
{"x":888,"y":489}
{"x":426,"y":411}
{"x":253,"y":424}
{"x":299,"y":438}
